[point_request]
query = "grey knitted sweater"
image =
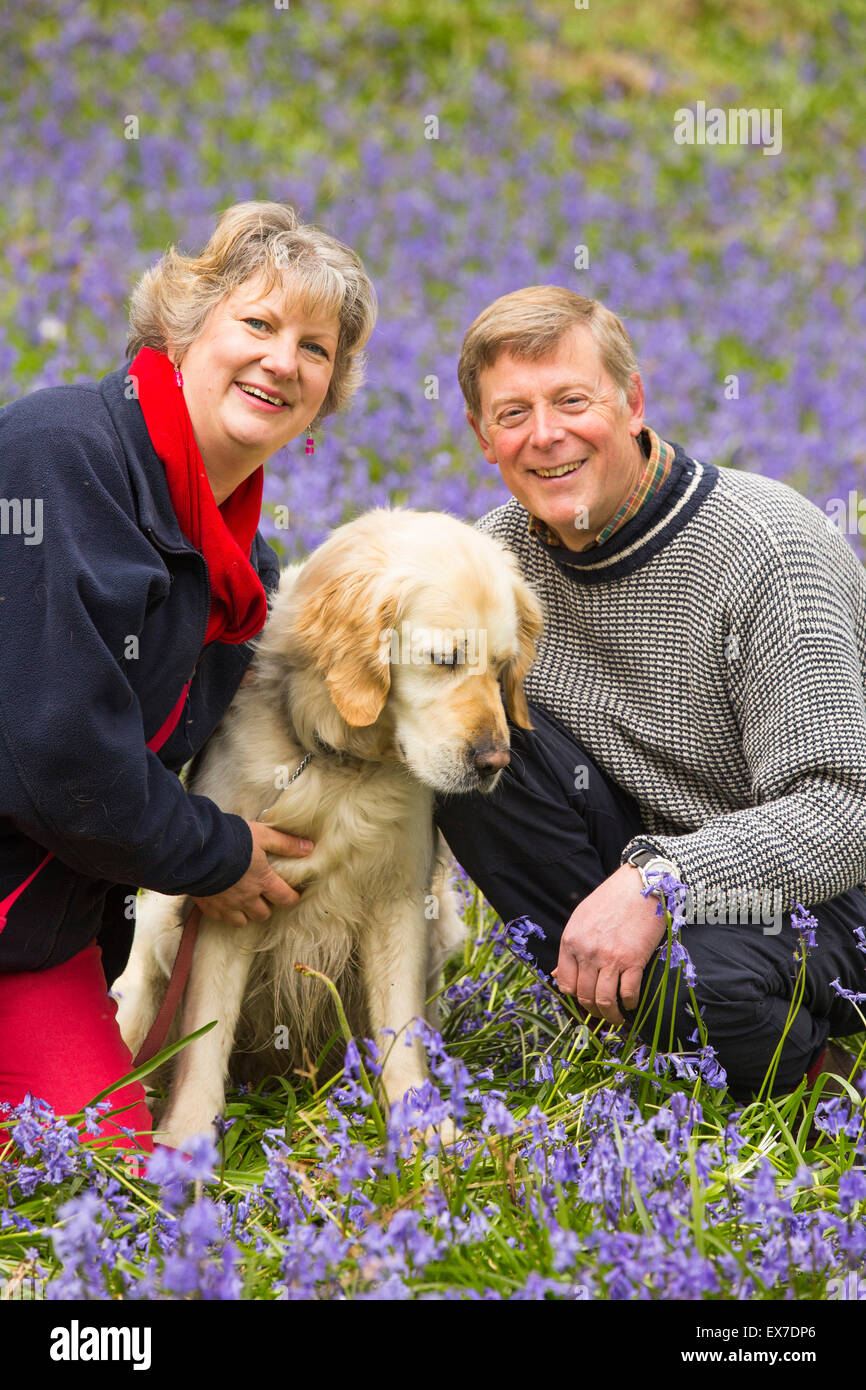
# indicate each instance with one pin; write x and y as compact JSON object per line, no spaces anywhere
{"x":711,"y":658}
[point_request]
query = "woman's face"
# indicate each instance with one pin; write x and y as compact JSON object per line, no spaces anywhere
{"x":255,"y":341}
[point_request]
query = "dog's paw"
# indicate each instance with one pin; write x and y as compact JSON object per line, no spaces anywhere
{"x":181,"y":1139}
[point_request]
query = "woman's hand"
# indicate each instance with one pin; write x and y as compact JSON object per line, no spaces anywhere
{"x":250,"y":899}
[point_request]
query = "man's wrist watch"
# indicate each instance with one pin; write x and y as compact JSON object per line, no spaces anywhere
{"x":650,"y":864}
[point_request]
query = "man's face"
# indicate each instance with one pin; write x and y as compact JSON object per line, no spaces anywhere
{"x":562,"y":414}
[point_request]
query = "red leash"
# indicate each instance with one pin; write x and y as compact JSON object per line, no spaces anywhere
{"x":183,"y":961}
{"x":176,"y":986}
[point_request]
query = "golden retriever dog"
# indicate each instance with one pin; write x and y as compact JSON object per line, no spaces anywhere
{"x":384,"y":662}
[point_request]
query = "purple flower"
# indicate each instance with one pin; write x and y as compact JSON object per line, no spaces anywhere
{"x":372,"y":1059}
{"x":93,"y":1115}
{"x":806,"y":926}
{"x":200,"y":1226}
{"x":355,"y":1167}
{"x":84,"y":1250}
{"x":391,"y":1290}
{"x":175,"y":1170}
{"x":497,"y":1119}
{"x":673,"y":899}
{"x":851,"y":994}
{"x":352,"y":1060}
{"x":852,"y":1189}
{"x":517,"y":934}
{"x":543,"y":1069}
{"x":835,"y":1118}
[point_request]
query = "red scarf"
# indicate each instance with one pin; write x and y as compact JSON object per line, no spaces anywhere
{"x":224,"y":534}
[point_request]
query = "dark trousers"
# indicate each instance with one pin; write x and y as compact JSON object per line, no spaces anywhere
{"x":554,"y":828}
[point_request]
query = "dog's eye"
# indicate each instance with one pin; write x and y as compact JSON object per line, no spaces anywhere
{"x":449,"y":659}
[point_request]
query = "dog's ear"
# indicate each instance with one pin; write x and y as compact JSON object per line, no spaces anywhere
{"x":530,"y":624}
{"x":344,"y":624}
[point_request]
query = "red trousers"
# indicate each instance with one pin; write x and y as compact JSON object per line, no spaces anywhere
{"x":60,"y":1041}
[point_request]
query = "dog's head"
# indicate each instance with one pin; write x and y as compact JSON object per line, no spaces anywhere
{"x":404,"y":632}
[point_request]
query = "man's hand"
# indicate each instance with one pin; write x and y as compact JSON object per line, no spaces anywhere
{"x":250,"y":899}
{"x":606,"y":944}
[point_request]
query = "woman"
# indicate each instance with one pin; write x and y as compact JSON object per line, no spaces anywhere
{"x":125,"y":615}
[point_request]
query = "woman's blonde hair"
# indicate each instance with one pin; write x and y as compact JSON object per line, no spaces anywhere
{"x":172,"y":301}
{"x":529,"y":323}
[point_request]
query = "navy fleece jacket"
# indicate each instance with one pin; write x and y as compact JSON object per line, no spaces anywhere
{"x":103,"y":608}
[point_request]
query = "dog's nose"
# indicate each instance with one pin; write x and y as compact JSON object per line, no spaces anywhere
{"x":488,"y":759}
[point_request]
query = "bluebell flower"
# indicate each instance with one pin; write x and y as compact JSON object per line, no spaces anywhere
{"x":852,"y":1189}
{"x":835,"y":1118}
{"x":674,"y":897}
{"x":543,"y":1069}
{"x":517,"y":934}
{"x":93,"y":1115}
{"x":852,"y":995}
{"x":496,"y":1118}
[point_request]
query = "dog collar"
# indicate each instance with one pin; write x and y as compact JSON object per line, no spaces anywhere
{"x":299,"y":769}
{"x":307,"y":758}
{"x":339,"y":754}
{"x":324,"y":747}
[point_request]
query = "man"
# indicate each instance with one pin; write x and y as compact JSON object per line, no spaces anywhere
{"x":698,"y":699}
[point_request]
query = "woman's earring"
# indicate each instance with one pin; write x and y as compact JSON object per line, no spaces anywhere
{"x":311,"y":448}
{"x":178,"y":376}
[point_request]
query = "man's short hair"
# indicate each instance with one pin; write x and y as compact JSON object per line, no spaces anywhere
{"x":529,"y":323}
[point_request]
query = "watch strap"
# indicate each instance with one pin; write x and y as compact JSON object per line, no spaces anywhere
{"x":643,"y":857}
